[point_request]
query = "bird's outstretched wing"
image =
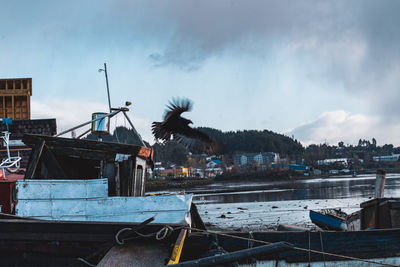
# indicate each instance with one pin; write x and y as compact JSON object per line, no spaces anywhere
{"x":176,"y":107}
{"x":178,"y":127}
{"x":173,"y":122}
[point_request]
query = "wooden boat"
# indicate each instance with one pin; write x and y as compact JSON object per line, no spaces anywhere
{"x":330,"y":248}
{"x":28,"y":242}
{"x":83,"y":199}
{"x":377,"y":213}
{"x":329,"y":219}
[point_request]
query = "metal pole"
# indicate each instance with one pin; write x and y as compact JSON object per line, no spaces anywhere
{"x":380,"y":183}
{"x":108,"y":89}
{"x":83,"y":124}
{"x":133,"y":128}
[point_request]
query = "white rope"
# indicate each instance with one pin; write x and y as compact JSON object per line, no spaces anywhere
{"x":159,"y":235}
{"x":163,"y":232}
{"x":86,"y":262}
{"x":121,"y":242}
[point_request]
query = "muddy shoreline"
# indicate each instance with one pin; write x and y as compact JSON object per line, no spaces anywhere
{"x":267,"y":216}
{"x":189,"y":183}
{"x":176,"y":184}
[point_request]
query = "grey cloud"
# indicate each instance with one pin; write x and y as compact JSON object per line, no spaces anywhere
{"x":207,"y":28}
{"x":185,"y":33}
{"x":355,"y":44}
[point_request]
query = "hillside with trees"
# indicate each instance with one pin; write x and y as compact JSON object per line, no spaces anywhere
{"x":249,"y":141}
{"x":253,"y":141}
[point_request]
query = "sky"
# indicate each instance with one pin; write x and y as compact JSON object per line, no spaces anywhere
{"x":320,"y":71}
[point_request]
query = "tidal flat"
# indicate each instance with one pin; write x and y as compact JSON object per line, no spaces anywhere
{"x":261,"y":206}
{"x":266,"y":216}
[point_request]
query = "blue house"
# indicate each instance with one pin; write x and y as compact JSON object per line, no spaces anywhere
{"x":298,"y":167}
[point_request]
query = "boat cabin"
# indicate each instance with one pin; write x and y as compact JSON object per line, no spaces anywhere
{"x":124,"y":165}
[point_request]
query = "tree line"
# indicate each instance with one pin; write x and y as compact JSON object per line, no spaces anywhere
{"x":254,"y":141}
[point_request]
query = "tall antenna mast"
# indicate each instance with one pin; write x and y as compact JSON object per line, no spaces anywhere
{"x":108,"y":89}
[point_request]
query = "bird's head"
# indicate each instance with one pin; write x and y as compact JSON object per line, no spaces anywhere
{"x":186,"y":121}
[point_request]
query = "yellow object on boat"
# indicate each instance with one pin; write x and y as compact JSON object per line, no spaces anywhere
{"x":177,"y":251}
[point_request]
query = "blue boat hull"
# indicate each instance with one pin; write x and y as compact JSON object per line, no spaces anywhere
{"x":327,"y":222}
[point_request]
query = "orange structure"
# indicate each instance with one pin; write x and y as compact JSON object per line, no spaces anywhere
{"x":15,"y":98}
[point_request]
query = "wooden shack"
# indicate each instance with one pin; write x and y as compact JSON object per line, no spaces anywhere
{"x":15,"y":102}
{"x":63,"y":158}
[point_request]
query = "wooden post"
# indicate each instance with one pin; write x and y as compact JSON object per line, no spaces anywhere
{"x":34,"y":159}
{"x":27,"y":115}
{"x":380,"y":183}
{"x":13,"y":107}
{"x":4,"y":106}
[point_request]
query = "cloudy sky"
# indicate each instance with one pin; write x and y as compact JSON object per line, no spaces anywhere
{"x":322,"y":71}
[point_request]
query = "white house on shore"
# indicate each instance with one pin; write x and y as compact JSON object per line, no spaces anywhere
{"x":389,"y":158}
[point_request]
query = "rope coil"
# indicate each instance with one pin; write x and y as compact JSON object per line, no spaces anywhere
{"x":159,"y":235}
{"x":117,"y":240}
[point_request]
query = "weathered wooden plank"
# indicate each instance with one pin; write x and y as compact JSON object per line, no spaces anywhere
{"x":82,"y":153}
{"x":78,"y":237}
{"x":37,"y":230}
{"x":87,"y":200}
{"x":61,"y":189}
{"x":34,"y":158}
{"x":31,"y":139}
{"x":165,"y":209}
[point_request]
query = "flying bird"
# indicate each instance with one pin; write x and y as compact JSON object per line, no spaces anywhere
{"x":178,"y":127}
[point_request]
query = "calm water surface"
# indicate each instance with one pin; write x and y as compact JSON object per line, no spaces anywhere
{"x":362,"y":186}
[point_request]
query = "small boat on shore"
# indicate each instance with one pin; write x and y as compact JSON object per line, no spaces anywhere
{"x":329,"y":219}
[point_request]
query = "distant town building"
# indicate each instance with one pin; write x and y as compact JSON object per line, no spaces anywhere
{"x":15,"y":98}
{"x":212,"y":172}
{"x":389,"y":158}
{"x":317,"y":172}
{"x":213,"y":163}
{"x":342,"y":161}
{"x":298,"y":167}
{"x":262,"y":159}
{"x":183,"y":172}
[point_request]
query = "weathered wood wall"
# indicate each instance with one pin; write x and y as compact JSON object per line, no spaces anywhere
{"x":15,"y":97}
{"x":87,"y":200}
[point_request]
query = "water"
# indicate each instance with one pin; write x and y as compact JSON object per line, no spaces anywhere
{"x":339,"y":187}
{"x":260,"y":206}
